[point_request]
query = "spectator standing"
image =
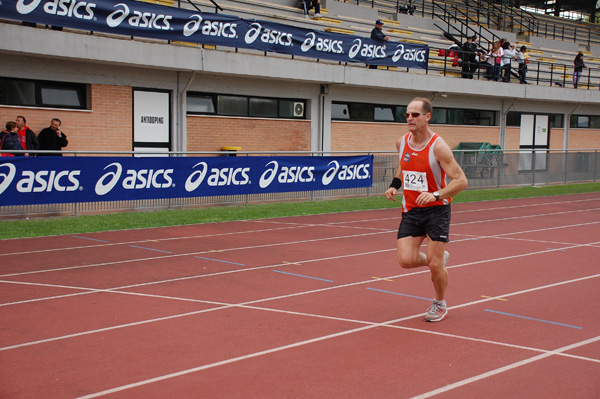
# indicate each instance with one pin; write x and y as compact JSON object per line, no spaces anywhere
{"x":425,"y":160}
{"x":495,"y":58}
{"x":578,"y":71}
{"x":310,"y":4}
{"x":377,"y":32}
{"x":52,"y":138}
{"x":522,"y":60}
{"x":28,"y":138}
{"x":508,"y":53}
{"x":479,"y":56}
{"x":468,"y":58}
{"x":378,"y":35}
{"x":9,"y":139}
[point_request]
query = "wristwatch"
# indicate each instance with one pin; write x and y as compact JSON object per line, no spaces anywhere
{"x":436,"y":194}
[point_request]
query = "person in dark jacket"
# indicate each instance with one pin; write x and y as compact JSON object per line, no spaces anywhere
{"x":578,"y":70}
{"x":28,"y":138}
{"x":52,"y":138}
{"x":468,"y":58}
{"x":9,"y":139}
{"x":377,"y":34}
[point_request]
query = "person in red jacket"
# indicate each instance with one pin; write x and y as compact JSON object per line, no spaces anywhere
{"x":28,"y":138}
{"x":424,"y":162}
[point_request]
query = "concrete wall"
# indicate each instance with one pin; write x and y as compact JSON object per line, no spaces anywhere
{"x":114,"y":66}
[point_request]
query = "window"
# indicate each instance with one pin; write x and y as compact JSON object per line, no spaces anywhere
{"x":400,"y":114}
{"x":395,"y":113}
{"x":456,"y":116}
{"x":487,"y":118}
{"x":384,"y":114}
{"x":362,"y":112}
{"x":265,"y":107}
{"x":230,"y":105}
{"x":340,"y":111}
{"x":439,"y":115}
{"x":556,"y":120}
{"x":36,"y":93}
{"x":200,"y":104}
{"x":514,"y":119}
{"x":580,"y":121}
{"x":585,"y":121}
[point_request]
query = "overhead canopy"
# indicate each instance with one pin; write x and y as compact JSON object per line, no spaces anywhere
{"x":555,"y":7}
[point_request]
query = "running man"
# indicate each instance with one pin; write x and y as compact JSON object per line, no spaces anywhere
{"x":425,"y":161}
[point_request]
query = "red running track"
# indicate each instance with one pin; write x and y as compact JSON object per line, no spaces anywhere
{"x":308,"y":307}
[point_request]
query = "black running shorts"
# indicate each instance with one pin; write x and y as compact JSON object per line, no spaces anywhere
{"x":433,"y":221}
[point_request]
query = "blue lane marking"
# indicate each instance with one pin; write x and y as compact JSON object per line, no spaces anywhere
{"x":531,"y":318}
{"x":300,"y":275}
{"x":151,"y":249}
{"x":397,"y":293}
{"x":218,"y":260}
{"x":87,"y":238}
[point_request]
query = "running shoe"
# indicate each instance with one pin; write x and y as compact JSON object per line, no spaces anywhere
{"x":437,"y":312}
{"x":446,"y":257}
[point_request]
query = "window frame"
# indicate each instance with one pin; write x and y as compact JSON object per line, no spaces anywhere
{"x":82,"y":93}
{"x":399,"y":111}
{"x":281,"y":106}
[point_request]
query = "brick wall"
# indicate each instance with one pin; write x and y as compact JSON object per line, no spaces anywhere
{"x":578,"y":138}
{"x":209,"y":133}
{"x":584,"y":138}
{"x":106,"y":126}
{"x":356,"y":136}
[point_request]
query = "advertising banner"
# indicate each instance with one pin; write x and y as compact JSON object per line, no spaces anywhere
{"x":47,"y":180}
{"x":134,"y":18}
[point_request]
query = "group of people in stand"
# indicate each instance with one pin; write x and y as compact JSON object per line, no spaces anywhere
{"x":19,"y":137}
{"x":497,"y":62}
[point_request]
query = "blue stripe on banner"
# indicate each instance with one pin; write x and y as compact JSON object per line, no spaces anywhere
{"x":531,"y":318}
{"x":397,"y":293}
{"x":300,"y":275}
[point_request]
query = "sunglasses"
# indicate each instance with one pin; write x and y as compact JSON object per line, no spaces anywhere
{"x":413,"y":114}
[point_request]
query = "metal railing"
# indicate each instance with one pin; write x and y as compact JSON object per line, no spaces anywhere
{"x":484,"y":169}
{"x":540,"y":73}
{"x":499,"y":16}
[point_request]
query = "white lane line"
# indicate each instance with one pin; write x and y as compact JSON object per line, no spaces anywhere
{"x":291,"y":225}
{"x":359,"y":329}
{"x":193,"y":253}
{"x":505,"y":368}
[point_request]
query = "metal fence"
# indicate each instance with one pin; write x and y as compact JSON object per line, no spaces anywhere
{"x":484,"y":169}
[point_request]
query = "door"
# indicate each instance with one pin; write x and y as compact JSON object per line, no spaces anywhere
{"x":534,"y":142}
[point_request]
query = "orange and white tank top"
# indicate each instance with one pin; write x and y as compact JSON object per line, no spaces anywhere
{"x":420,"y":172}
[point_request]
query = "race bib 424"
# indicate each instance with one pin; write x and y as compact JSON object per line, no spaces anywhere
{"x":415,"y":181}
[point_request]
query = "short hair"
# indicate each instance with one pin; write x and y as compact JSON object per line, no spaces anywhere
{"x":56,"y":119}
{"x":22,"y":117}
{"x":427,"y":107}
{"x":10,"y":125}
